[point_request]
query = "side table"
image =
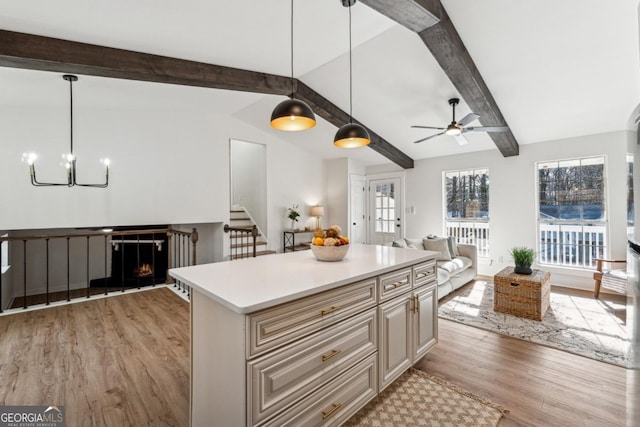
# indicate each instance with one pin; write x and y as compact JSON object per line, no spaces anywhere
{"x":523,"y":295}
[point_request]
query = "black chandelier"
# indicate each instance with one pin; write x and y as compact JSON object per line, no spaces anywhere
{"x":70,"y":164}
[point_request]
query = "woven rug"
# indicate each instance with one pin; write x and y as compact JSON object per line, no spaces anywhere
{"x":581,"y":325}
{"x":418,"y":399}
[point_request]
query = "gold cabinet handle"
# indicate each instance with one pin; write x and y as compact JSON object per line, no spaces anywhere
{"x":329,"y":310}
{"x":395,"y":284}
{"x":421,"y":275}
{"x":330,"y":355}
{"x":416,"y":304}
{"x":334,"y":408}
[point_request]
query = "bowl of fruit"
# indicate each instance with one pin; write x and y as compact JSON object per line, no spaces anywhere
{"x":330,"y":245}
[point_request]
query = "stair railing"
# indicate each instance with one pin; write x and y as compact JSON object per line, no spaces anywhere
{"x":181,"y":247}
{"x":242,"y":241}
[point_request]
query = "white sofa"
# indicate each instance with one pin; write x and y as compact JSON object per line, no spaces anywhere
{"x":453,"y":271}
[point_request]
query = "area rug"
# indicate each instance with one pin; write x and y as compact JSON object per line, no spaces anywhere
{"x":580,"y":325}
{"x":419,"y":399}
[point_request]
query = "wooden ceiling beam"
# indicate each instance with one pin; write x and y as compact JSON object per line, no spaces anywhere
{"x":334,"y":115}
{"x":20,"y":50}
{"x":437,"y":32}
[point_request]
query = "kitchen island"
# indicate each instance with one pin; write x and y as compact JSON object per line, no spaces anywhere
{"x":288,"y":340}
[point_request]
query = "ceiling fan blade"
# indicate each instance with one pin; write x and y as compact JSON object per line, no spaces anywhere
{"x":486,"y":129}
{"x":429,"y":137}
{"x":427,"y":127}
{"x":468,"y":119}
{"x":461,"y":139}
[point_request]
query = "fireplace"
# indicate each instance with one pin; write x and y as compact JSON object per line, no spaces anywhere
{"x":137,"y":259}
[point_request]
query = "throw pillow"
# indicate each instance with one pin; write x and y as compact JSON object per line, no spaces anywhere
{"x":440,"y":245}
{"x":453,"y":247}
{"x":400,"y":243}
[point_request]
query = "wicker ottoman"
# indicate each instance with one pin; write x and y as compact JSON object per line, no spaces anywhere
{"x":524,"y":295}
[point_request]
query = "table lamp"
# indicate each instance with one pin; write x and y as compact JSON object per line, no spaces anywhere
{"x":316,"y":211}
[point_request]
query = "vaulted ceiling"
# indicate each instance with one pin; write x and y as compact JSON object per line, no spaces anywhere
{"x":550,"y":70}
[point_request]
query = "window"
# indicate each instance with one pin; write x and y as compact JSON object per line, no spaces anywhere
{"x":572,"y":220}
{"x":467,"y":207}
{"x":385,"y":208}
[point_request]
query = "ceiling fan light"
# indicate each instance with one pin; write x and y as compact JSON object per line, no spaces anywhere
{"x":351,"y":135}
{"x":453,"y":130}
{"x":292,"y":115}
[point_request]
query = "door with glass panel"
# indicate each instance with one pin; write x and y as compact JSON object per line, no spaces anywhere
{"x":385,"y":210}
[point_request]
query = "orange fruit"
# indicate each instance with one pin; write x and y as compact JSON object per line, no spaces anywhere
{"x":318,"y":241}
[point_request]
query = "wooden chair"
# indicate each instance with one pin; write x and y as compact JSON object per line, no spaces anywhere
{"x":614,"y":279}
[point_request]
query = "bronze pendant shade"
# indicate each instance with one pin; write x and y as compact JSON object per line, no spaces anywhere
{"x":351,"y":135}
{"x":292,"y":114}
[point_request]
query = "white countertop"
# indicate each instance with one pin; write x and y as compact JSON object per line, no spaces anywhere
{"x":252,"y":284}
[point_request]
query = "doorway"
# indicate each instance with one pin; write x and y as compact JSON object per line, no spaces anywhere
{"x":385,"y":209}
{"x":357,"y":208}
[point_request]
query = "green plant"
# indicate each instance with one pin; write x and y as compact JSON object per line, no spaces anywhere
{"x":293,"y":213}
{"x":522,"y":256}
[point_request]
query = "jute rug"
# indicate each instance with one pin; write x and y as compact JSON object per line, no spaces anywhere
{"x":418,"y":399}
{"x":581,"y":325}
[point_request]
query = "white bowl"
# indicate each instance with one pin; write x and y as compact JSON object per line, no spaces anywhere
{"x":329,"y":253}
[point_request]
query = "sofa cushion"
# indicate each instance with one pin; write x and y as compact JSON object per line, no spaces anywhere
{"x":453,"y":247}
{"x":400,"y":243}
{"x":416,"y":243}
{"x":443,"y":276}
{"x":456,"y":265}
{"x":440,"y":245}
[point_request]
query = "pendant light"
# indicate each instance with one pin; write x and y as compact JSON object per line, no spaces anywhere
{"x":70,"y":159}
{"x":351,"y":135}
{"x":292,"y":114}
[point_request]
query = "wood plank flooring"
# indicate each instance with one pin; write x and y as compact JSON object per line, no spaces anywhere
{"x":117,"y":361}
{"x":124,"y":361}
{"x":541,"y":386}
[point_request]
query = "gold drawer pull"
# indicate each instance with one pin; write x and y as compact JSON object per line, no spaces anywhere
{"x":416,"y":304}
{"x":334,"y":408}
{"x":395,"y":284}
{"x":330,"y":355}
{"x":421,"y":275}
{"x":329,"y":310}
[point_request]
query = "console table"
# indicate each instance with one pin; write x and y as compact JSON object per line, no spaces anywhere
{"x":289,"y":240}
{"x":289,"y":340}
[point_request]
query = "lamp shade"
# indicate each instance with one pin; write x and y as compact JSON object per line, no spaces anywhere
{"x":292,"y":115}
{"x":351,"y":135}
{"x":316,"y":211}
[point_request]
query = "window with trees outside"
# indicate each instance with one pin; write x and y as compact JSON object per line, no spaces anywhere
{"x":467,"y":207}
{"x":572,"y":221}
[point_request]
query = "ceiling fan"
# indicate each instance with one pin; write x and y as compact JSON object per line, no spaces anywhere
{"x":456,"y":129}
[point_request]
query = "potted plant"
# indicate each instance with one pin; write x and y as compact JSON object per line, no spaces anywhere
{"x":293,"y":215}
{"x":523,"y":258}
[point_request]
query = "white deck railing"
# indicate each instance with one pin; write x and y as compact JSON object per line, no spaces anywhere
{"x":474,"y":232}
{"x":571,"y":244}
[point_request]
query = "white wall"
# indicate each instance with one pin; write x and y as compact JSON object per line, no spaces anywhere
{"x":513,"y":196}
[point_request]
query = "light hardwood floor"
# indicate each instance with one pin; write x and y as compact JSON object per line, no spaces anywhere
{"x":117,"y":361}
{"x":124,"y":361}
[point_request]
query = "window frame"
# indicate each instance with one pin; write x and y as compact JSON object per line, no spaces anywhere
{"x":474,"y":231}
{"x":568,"y":224}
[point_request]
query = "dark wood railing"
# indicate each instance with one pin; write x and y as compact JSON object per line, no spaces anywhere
{"x":181,"y":247}
{"x":243,"y":241}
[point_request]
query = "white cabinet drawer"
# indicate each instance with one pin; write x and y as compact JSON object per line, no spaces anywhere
{"x":283,"y":324}
{"x":424,"y":273}
{"x":395,"y":283}
{"x":287,"y":374}
{"x":337,"y":401}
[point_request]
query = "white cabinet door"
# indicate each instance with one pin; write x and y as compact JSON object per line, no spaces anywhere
{"x":425,"y":320}
{"x":395,"y":348}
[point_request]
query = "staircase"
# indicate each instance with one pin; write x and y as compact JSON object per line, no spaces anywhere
{"x":240,"y":218}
